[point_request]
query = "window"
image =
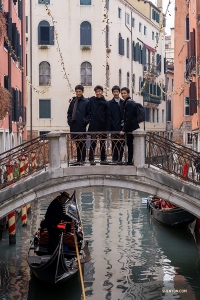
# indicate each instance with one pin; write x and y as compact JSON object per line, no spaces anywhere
{"x":157,"y":115}
{"x":107,"y":4}
{"x":85,"y":34}
{"x":85,"y":2}
{"x":127,"y":47}
{"x":152,"y":35}
{"x":147,"y":114}
{"x":140,"y":83}
{"x":156,"y":36}
{"x":107,"y":36}
{"x":133,"y":22}
{"x":140,"y":27}
{"x":128,"y":79}
{"x":119,"y":13}
{"x":44,"y":73}
{"x":127,"y":18}
{"x":43,"y":1}
{"x":187,"y":106}
{"x":153,"y":115}
{"x":187,"y":29}
{"x":26,"y":24}
{"x":133,"y":83}
{"x":172,"y":85}
{"x":163,"y":116}
{"x":189,"y":138}
{"x":145,"y":30}
{"x":120,"y":78}
{"x":45,"y":33}
{"x":121,"y":44}
{"x":86,"y":73}
{"x":44,"y":109}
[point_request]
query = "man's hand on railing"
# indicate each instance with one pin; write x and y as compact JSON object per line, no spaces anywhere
{"x":122,"y":133}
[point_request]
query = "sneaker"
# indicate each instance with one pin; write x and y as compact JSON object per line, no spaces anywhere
{"x":92,"y":163}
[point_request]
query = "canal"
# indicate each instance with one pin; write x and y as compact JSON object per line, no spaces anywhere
{"x":133,"y":257}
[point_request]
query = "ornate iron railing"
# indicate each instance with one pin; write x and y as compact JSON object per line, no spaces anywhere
{"x":173,"y":158}
{"x":23,"y":160}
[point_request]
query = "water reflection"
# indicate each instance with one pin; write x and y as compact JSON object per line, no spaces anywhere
{"x":133,"y":257}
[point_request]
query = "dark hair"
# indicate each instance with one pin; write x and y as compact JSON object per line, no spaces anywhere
{"x":126,"y":89}
{"x":98,"y":87}
{"x":79,"y":87}
{"x":115,"y":88}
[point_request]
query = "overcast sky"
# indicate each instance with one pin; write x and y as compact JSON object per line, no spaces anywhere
{"x":170,"y":19}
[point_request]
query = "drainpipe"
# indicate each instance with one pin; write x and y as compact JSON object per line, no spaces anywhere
{"x":9,"y":69}
{"x":31,"y":75}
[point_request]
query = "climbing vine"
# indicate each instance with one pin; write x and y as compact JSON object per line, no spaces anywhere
{"x":5,"y":97}
{"x":2,"y":26}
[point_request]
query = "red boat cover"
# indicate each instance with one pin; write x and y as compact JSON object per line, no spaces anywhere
{"x":167,"y":205}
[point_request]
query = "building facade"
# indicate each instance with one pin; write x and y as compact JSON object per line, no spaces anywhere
{"x":186,"y":75}
{"x":107,"y":43}
{"x":12,"y":73}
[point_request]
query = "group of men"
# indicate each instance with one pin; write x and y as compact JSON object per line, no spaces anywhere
{"x":117,"y":115}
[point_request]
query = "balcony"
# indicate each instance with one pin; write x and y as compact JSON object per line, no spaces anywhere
{"x":151,"y":98}
{"x":152,"y":69}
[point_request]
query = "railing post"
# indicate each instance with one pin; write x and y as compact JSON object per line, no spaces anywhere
{"x":139,"y":147}
{"x":63,"y":147}
{"x":54,"y":150}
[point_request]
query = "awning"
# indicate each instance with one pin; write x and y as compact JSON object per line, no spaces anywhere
{"x":150,"y":48}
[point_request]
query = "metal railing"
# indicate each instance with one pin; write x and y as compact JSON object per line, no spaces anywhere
{"x":173,"y":158}
{"x":23,"y":160}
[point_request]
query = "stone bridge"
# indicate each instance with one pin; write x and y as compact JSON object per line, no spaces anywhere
{"x":59,"y":176}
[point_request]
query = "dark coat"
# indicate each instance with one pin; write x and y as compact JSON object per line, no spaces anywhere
{"x":100,"y":114}
{"x":82,"y":115}
{"x":55,"y":214}
{"x":117,"y":114}
{"x":130,"y":116}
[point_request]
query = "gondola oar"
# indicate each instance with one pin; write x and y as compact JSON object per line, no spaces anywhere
{"x":79,"y":263}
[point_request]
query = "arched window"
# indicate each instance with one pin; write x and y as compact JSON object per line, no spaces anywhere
{"x":128,"y":79}
{"x":45,"y":33}
{"x":86,"y":73}
{"x":120,"y":78}
{"x":44,"y":73}
{"x":127,"y":47}
{"x":85,"y":34}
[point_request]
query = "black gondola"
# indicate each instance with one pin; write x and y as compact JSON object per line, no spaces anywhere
{"x":62,"y":264}
{"x":171,"y":215}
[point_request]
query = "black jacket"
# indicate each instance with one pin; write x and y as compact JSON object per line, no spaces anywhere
{"x":82,"y":115}
{"x":117,"y":114}
{"x":55,"y":214}
{"x":100,"y":114}
{"x":130,"y":116}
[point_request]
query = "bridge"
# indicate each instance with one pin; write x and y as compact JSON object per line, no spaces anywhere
{"x":47,"y":165}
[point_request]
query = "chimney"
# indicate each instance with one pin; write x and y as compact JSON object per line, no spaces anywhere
{"x":160,"y":4}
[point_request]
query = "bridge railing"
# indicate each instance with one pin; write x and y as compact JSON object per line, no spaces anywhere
{"x":172,"y":158}
{"x":23,"y":160}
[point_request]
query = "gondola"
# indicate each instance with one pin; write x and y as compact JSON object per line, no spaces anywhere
{"x":62,"y":264}
{"x":168,"y":214}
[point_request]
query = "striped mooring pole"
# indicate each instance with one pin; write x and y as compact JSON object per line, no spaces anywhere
{"x":33,"y":160}
{"x":12,"y":228}
{"x":24,"y":215}
{"x":28,"y":208}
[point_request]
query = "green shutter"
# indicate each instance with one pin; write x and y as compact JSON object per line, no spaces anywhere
{"x":164,"y":65}
{"x":51,"y":35}
{"x":44,"y":109}
{"x":122,"y":46}
{"x":144,"y":55}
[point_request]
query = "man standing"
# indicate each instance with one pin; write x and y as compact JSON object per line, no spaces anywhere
{"x":130,"y":121}
{"x":78,"y":117}
{"x":100,"y":121}
{"x":54,"y":215}
{"x":116,"y":111}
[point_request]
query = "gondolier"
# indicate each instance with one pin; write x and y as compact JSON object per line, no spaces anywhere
{"x":55,"y":215}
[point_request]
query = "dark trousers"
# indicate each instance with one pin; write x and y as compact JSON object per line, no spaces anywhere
{"x":130,"y":147}
{"x":54,"y":233}
{"x":94,"y":144}
{"x":117,"y":148}
{"x":80,"y":147}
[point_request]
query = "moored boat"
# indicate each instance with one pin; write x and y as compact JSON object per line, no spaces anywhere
{"x":169,"y":214}
{"x":62,"y":264}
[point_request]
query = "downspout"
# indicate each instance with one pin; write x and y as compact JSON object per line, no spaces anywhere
{"x":9,"y":69}
{"x":31,"y":77}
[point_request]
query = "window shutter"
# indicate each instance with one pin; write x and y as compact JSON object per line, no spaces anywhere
{"x":192,"y":43}
{"x":26,"y":24}
{"x":160,"y":63}
{"x":45,"y":109}
{"x":144,"y":55}
{"x":164,"y":65}
{"x":51,"y":35}
{"x":151,"y":88}
{"x":193,"y":96}
{"x":122,"y":46}
{"x":10,"y":29}
{"x":39,"y":35}
{"x":158,"y":18}
{"x":133,"y":50}
{"x":137,"y":52}
{"x":20,"y":9}
{"x":20,"y":54}
{"x":158,"y":91}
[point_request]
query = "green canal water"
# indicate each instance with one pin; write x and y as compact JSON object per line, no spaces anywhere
{"x":133,"y":257}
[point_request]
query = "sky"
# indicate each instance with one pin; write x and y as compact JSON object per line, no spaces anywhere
{"x":170,"y":19}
